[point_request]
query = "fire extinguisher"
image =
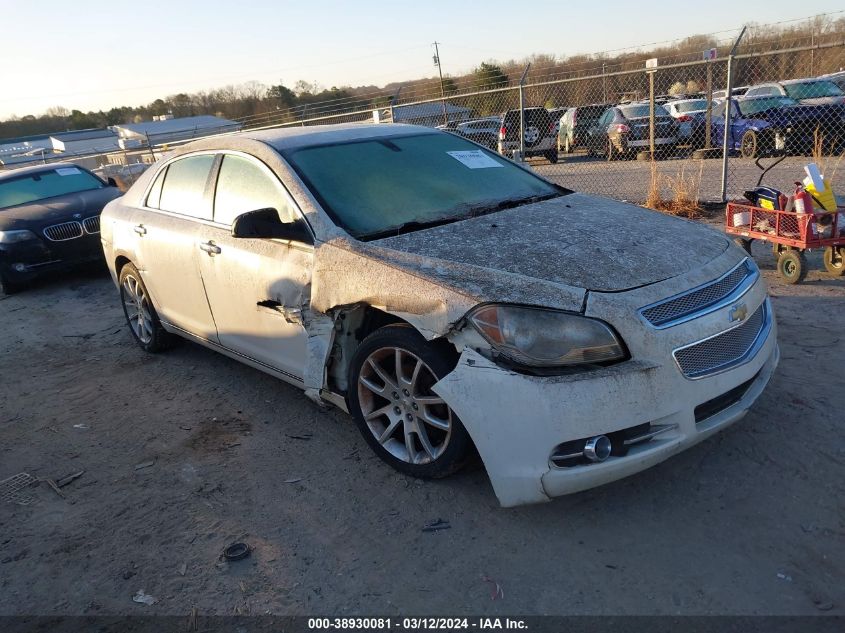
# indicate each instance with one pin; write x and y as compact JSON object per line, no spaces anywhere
{"x":803,"y":200}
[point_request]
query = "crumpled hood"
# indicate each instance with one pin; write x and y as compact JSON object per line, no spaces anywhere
{"x":576,"y":240}
{"x":57,"y":209}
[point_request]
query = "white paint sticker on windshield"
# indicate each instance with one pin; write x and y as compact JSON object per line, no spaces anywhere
{"x":475,"y":159}
{"x":67,"y":171}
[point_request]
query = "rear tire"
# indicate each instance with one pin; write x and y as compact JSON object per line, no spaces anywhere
{"x":140,"y":314}
{"x":551,"y":155}
{"x":792,"y":266}
{"x":405,"y":423}
{"x":834,"y":260}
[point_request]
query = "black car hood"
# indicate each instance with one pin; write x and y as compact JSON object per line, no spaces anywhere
{"x":58,"y":209}
{"x":576,"y":240}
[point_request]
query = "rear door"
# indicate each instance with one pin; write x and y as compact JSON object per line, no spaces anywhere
{"x":257,"y":288}
{"x":167,"y":245}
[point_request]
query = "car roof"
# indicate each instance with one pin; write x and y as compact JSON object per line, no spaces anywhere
{"x":487,"y":119}
{"x":803,"y":81}
{"x":35,"y":169}
{"x":756,"y":97}
{"x":282,"y":139}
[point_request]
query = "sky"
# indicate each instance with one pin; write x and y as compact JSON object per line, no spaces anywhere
{"x":88,"y":55}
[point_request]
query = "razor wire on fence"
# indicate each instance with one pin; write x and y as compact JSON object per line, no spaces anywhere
{"x":658,"y":131}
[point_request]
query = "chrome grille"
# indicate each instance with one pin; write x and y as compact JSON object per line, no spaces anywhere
{"x":63,"y":232}
{"x":92,"y":224}
{"x":698,"y":299}
{"x":728,"y":349}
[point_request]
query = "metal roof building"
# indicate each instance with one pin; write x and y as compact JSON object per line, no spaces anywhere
{"x":169,"y":130}
{"x":429,"y":114}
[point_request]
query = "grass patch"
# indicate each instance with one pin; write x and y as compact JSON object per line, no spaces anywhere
{"x":683,"y":188}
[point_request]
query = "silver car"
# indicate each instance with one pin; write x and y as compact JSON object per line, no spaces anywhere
{"x":448,"y":299}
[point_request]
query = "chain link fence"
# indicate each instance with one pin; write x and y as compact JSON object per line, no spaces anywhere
{"x":647,"y":132}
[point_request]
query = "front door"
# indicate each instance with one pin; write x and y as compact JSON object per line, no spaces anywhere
{"x":257,"y":289}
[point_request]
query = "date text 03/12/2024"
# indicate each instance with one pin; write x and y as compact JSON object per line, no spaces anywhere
{"x":416,"y":624}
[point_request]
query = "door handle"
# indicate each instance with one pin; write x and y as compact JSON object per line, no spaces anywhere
{"x":140,"y":230}
{"x":210,"y":247}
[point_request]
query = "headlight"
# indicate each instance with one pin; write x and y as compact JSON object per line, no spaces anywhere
{"x":546,"y":338}
{"x":10,"y":237}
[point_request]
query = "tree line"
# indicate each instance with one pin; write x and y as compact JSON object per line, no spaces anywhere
{"x":256,"y":103}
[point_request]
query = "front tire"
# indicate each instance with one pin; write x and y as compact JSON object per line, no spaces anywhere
{"x":140,"y":314}
{"x":8,"y":287}
{"x":401,"y":418}
{"x":748,"y":144}
{"x":792,"y":266}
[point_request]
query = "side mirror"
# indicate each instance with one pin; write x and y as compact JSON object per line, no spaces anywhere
{"x":111,"y":182}
{"x":265,"y":224}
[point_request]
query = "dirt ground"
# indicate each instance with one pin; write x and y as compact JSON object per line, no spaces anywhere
{"x":188,"y":451}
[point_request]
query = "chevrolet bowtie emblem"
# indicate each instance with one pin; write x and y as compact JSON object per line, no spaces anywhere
{"x":738,"y":312}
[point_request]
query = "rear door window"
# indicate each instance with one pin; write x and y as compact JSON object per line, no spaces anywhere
{"x":183,"y":190}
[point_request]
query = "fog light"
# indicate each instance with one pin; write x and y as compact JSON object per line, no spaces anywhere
{"x":597,"y":449}
{"x":19,"y":267}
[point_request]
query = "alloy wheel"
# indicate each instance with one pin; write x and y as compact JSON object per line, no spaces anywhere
{"x":137,"y":308}
{"x":401,"y":411}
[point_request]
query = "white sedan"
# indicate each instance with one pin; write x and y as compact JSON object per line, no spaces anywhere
{"x":447,"y":298}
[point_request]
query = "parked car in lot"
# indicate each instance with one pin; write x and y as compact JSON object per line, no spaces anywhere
{"x":762,"y":126}
{"x":576,"y":123}
{"x":625,"y":128}
{"x":838,"y":78}
{"x":448,"y":299}
{"x":807,"y":91}
{"x":736,"y":91}
{"x":482,"y":131}
{"x":540,"y":134}
{"x":49,"y":219}
{"x":690,"y":115}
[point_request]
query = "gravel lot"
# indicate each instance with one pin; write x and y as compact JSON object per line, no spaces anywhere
{"x":188,"y":451}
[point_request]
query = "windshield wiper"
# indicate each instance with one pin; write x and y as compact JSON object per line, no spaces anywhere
{"x":475,"y":210}
{"x":462,"y":212}
{"x":408,"y":227}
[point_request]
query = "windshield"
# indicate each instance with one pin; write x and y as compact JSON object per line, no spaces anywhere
{"x":46,"y":184}
{"x":691,"y":106}
{"x":753,"y":106}
{"x":813,"y":90}
{"x":375,"y":186}
{"x":641,"y":111}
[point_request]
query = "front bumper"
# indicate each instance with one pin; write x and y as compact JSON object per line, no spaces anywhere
{"x":23,"y":261}
{"x":516,"y":421}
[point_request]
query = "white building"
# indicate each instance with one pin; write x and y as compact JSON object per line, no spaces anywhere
{"x":170,"y":130}
{"x":91,"y":141}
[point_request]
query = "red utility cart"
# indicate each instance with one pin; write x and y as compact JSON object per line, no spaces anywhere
{"x":790,"y":234}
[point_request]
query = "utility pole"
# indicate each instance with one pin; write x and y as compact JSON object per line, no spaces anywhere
{"x":442,"y":91}
{"x":604,"y":81}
